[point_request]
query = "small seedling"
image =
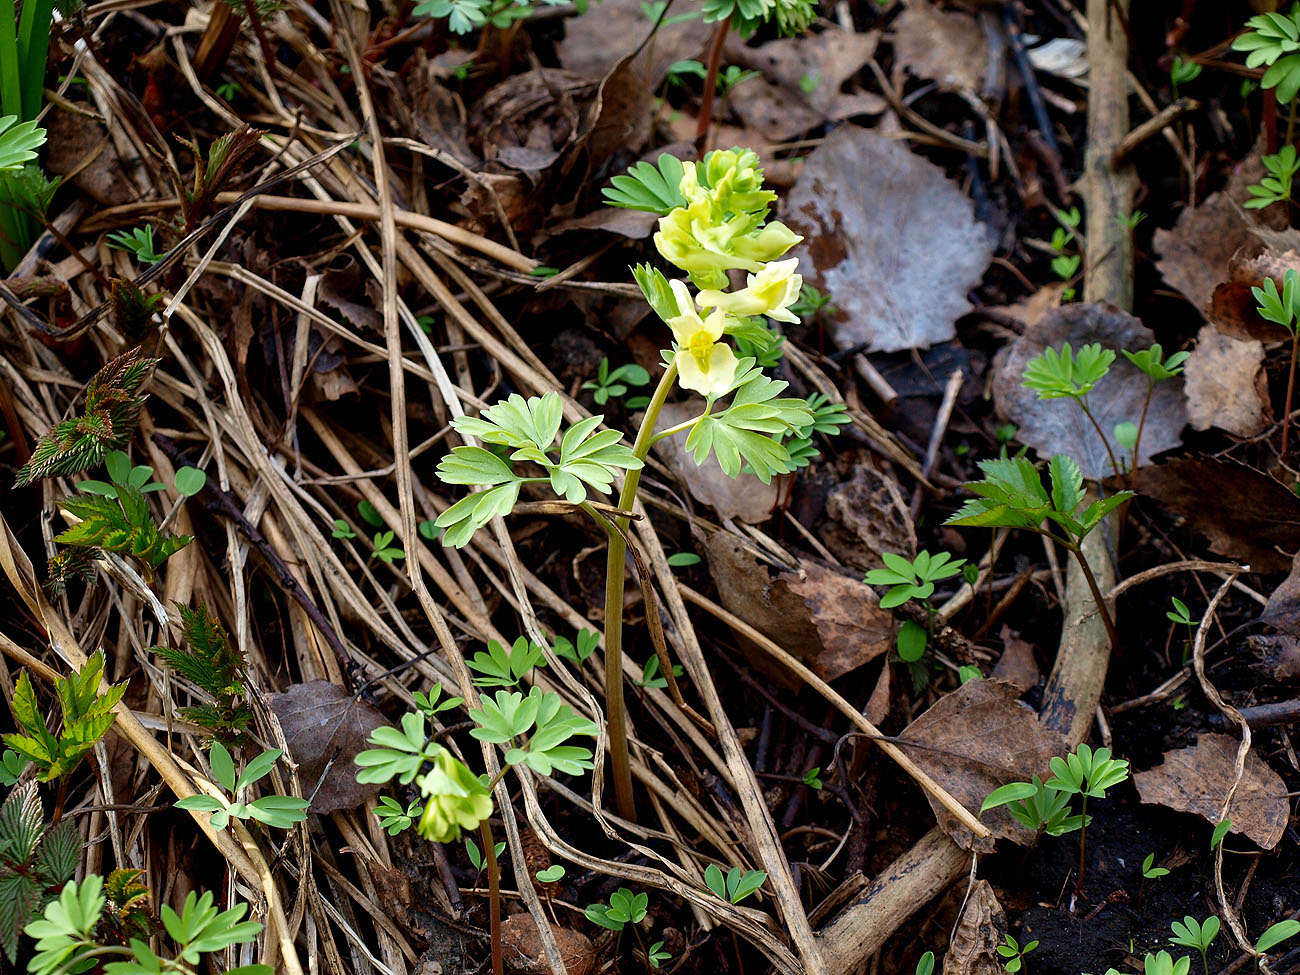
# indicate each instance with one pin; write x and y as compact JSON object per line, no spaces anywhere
{"x":1011,"y":950}
{"x":370,"y":514}
{"x":1284,"y":309}
{"x":651,"y":677}
{"x":1162,"y":964}
{"x":1157,"y":369}
{"x":385,"y":551}
{"x":735,"y":885}
{"x":428,"y":530}
{"x":394,"y":817}
{"x":683,"y":560}
{"x":1273,"y":39}
{"x":613,"y":383}
{"x":506,"y":668}
{"x":812,"y":778}
{"x":1036,"y":807}
{"x":656,"y":955}
{"x":551,"y":874}
{"x":1181,"y":615}
{"x":1150,"y":872}
{"x":1220,"y":831}
{"x":342,"y":530}
{"x":588,"y":641}
{"x":623,"y":908}
{"x":1276,"y":186}
{"x":476,"y":855}
{"x":1191,"y":933}
{"x":1182,"y":72}
{"x":228,"y":91}
{"x":925,"y":964}
{"x":1067,"y":375}
{"x":1088,"y":774}
{"x":281,"y":812}
{"x":1276,"y":934}
{"x":547,"y":721}
{"x":913,"y":579}
{"x":138,"y":242}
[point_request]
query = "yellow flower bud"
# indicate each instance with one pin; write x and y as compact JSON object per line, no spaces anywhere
{"x":456,"y":800}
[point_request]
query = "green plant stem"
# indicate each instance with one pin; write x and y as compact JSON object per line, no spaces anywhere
{"x":705,"y":121}
{"x":494,"y":896}
{"x":1096,"y":592}
{"x":614,"y":569}
{"x":1290,"y":385}
{"x":1137,"y":440}
{"x":1105,"y":441}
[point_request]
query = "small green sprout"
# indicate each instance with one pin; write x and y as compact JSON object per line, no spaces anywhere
{"x":735,"y":885}
{"x":588,"y":641}
{"x":1182,"y":72}
{"x":385,"y":551}
{"x":651,"y":677}
{"x":613,"y":383}
{"x":395,"y":817}
{"x":342,"y":530}
{"x":1276,"y":934}
{"x":476,"y":855}
{"x":506,"y":668}
{"x":1088,"y":774}
{"x":1220,"y":831}
{"x":228,"y":91}
{"x":1191,"y":933}
{"x":682,"y":560}
{"x":1151,"y":872}
{"x":623,"y":908}
{"x":925,"y":964}
{"x":551,"y":874}
{"x":812,"y":778}
{"x":656,"y":955}
{"x":370,"y":514}
{"x":428,"y":530}
{"x":1276,"y":186}
{"x":1162,"y":964}
{"x":1036,"y":807}
{"x":1012,"y":950}
{"x":281,"y":812}
{"x":138,"y":242}
{"x":913,"y":579}
{"x":429,"y":703}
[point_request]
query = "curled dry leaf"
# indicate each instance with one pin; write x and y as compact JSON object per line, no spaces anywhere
{"x":832,"y":622}
{"x":947,"y":47}
{"x":976,"y":739}
{"x":1197,"y":779}
{"x":815,"y":68}
{"x":1233,"y":308}
{"x":1226,"y":384}
{"x":1017,"y":665}
{"x":1058,"y":426}
{"x":1283,"y":609}
{"x":325,"y":728}
{"x":1245,"y":514}
{"x":878,"y":221}
{"x":595,"y":41}
{"x":974,"y":948}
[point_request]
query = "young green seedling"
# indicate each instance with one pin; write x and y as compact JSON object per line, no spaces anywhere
{"x":1014,"y":952}
{"x":1036,"y":807}
{"x":1157,"y":369}
{"x":613,"y":383}
{"x":139,"y":243}
{"x":1276,"y":934}
{"x":925,"y":964}
{"x":1182,"y":616}
{"x":1284,"y":309}
{"x":1150,"y":872}
{"x":913,"y":579}
{"x":1065,"y":375}
{"x":1088,"y":774}
{"x":506,"y":668}
{"x":1277,"y":185}
{"x":735,"y":885}
{"x":1161,"y":963}
{"x":1191,"y":933}
{"x":281,"y":812}
{"x":624,"y":908}
{"x":1182,"y":72}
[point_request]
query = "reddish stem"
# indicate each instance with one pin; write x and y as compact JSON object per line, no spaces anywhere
{"x":710,"y":86}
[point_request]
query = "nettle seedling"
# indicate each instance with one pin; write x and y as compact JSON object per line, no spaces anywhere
{"x":1012,"y":496}
{"x":735,"y":885}
{"x":613,"y":383}
{"x":1014,"y":953}
{"x":36,"y":860}
{"x":1284,"y":309}
{"x":281,"y":812}
{"x":1191,"y":933}
{"x":216,"y":667}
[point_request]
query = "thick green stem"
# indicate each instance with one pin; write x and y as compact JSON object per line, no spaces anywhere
{"x":494,"y":896}
{"x":614,"y":568}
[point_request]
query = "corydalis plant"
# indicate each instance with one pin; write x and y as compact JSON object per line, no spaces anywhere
{"x":112,"y":410}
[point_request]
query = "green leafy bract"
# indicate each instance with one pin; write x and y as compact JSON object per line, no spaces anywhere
{"x":743,"y":433}
{"x":653,"y":187}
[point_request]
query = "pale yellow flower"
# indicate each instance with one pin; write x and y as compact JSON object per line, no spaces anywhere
{"x":703,"y":363}
{"x":770,"y":292}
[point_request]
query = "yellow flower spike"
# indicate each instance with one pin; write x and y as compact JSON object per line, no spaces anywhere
{"x":770,"y":292}
{"x":703,"y":363}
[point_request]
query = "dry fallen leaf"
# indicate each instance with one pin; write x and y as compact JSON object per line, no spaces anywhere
{"x":1282,"y":611}
{"x":1194,"y":256}
{"x":1226,"y":384}
{"x":595,"y":41}
{"x":832,"y":622}
{"x":1058,"y":426}
{"x":820,"y":62}
{"x":1245,"y":514}
{"x":976,"y":739}
{"x":1197,"y":779}
{"x":867,"y":516}
{"x":776,"y":113}
{"x":324,"y":724}
{"x":974,"y":948}
{"x":522,"y":947}
{"x":1017,"y":665}
{"x":879,"y":220}
{"x":1233,"y":309}
{"x":944,"y":46}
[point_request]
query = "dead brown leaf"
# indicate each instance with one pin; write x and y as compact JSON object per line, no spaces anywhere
{"x":832,"y":622}
{"x":976,"y":739}
{"x":1197,"y":779}
{"x":974,"y":948}
{"x":75,"y":144}
{"x":826,"y":61}
{"x":1226,"y":384}
{"x":326,"y":727}
{"x":944,"y":46}
{"x":595,"y":41}
{"x":1283,"y":609}
{"x":1194,"y":256}
{"x":1017,"y":665}
{"x":878,"y":221}
{"x":776,"y":113}
{"x":867,"y":516}
{"x":1058,"y":426}
{"x":522,"y":946}
{"x":1245,"y":514}
{"x":1233,"y":308}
